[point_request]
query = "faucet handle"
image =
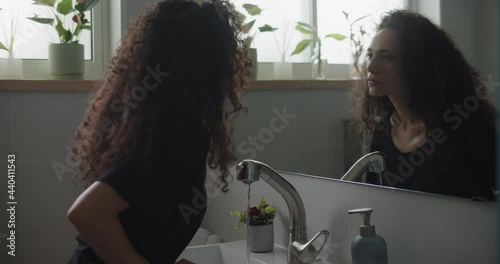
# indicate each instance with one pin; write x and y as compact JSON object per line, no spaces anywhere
{"x":308,"y":252}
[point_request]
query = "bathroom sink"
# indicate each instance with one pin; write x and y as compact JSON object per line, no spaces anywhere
{"x":231,"y":253}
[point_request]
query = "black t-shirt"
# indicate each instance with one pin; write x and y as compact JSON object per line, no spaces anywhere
{"x":167,"y":203}
{"x":457,"y":163}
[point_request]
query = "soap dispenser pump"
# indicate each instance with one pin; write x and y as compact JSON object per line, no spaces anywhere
{"x":368,"y":247}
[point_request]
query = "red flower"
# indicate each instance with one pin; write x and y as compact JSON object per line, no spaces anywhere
{"x":254,"y":211}
{"x":82,"y":18}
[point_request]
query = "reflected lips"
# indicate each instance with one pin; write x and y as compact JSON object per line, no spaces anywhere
{"x":372,"y":82}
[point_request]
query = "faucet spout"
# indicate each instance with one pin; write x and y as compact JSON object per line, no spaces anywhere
{"x":250,"y":171}
{"x":373,"y":162}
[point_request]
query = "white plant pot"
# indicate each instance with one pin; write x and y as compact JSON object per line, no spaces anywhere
{"x":261,"y":238}
{"x":66,"y":61}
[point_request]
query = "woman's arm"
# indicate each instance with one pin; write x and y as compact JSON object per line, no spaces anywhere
{"x":95,"y":215}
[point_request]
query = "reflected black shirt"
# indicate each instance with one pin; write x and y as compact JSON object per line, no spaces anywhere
{"x":463,"y":164}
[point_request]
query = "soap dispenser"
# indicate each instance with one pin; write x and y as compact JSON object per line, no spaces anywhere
{"x":368,"y":247}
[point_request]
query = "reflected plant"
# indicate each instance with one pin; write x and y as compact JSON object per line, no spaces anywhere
{"x":357,"y":39}
{"x":253,"y":11}
{"x":314,"y":40}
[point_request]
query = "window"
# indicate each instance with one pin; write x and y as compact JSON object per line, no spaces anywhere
{"x":330,"y":19}
{"x":29,"y":36}
{"x":325,"y":14}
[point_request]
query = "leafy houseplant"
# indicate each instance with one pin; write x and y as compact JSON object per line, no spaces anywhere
{"x":262,"y":214}
{"x":314,"y":40}
{"x":260,"y":232}
{"x":357,"y":40}
{"x":253,"y":11}
{"x":61,"y":9}
{"x":66,"y":58}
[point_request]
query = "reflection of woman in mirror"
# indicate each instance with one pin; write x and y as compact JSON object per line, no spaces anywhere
{"x":427,"y":110}
{"x":159,"y":118}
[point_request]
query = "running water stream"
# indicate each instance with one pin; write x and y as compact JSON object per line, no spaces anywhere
{"x":248,"y":223}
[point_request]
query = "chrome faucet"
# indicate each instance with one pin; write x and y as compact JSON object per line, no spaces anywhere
{"x":373,"y":162}
{"x":300,"y":250}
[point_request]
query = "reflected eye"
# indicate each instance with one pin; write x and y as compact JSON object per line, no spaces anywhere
{"x":388,"y":57}
{"x":369,"y":56}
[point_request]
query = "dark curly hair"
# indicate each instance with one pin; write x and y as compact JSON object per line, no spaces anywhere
{"x":435,"y":71}
{"x":180,"y":62}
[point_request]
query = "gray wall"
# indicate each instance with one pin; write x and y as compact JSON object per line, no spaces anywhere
{"x":294,"y":130}
{"x":37,"y":127}
{"x":472,"y":24}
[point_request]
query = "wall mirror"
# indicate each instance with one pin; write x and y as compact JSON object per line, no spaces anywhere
{"x":303,"y":131}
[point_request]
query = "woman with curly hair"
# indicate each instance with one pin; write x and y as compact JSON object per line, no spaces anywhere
{"x":163,"y":112}
{"x":427,"y":110}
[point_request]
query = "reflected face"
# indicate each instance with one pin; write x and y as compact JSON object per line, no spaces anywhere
{"x":384,"y":65}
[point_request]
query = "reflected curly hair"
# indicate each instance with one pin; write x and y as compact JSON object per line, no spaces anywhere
{"x":180,"y":62}
{"x":436,"y":72}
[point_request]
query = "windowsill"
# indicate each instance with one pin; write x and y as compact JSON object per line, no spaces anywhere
{"x":35,"y":78}
{"x":86,"y":85}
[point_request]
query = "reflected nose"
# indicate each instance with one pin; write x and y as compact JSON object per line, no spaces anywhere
{"x":371,"y":66}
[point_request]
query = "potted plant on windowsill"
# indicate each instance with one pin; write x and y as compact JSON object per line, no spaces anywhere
{"x":66,"y":58}
{"x":261,"y":229}
{"x":253,"y":11}
{"x":319,"y":65}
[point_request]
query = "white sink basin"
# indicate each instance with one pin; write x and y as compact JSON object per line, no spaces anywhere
{"x":232,"y":253}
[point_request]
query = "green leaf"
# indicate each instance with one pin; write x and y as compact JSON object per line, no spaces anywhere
{"x":64,"y":7}
{"x":248,"y":26}
{"x":50,"y":3}
{"x":41,"y":20}
{"x":267,"y":28}
{"x":252,"y":9}
{"x":358,"y":19}
{"x":301,"y":46}
{"x":68,"y":36}
{"x":61,"y":31}
{"x":302,"y":24}
{"x":86,"y":6}
{"x":2,"y":46}
{"x":303,"y":30}
{"x":336,"y":36}
{"x":87,"y":27}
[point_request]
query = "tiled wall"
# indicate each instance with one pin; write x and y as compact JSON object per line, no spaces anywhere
{"x":294,"y":130}
{"x":37,"y":127}
{"x":418,"y":227}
